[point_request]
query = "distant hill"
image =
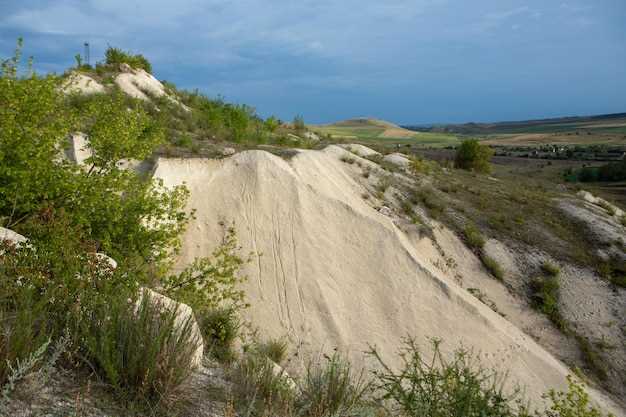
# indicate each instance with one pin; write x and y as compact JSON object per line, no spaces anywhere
{"x":605,"y":123}
{"x":365,"y":127}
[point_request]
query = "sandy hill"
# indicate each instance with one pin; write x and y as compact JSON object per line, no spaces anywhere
{"x":331,"y":269}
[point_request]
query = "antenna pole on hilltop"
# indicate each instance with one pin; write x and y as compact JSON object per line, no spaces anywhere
{"x":87,"y":52}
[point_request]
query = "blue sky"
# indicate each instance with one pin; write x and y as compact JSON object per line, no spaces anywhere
{"x":408,"y":61}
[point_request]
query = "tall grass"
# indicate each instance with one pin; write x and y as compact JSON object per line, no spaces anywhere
{"x":140,"y":349}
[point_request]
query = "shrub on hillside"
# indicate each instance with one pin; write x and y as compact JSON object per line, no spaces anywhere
{"x":259,"y":389}
{"x":116,"y":56}
{"x":331,"y":387}
{"x":471,"y":155}
{"x":438,"y":387}
{"x":493,"y":266}
{"x":274,"y":349}
{"x":140,"y":349}
{"x":220,"y":327}
{"x":473,"y":237}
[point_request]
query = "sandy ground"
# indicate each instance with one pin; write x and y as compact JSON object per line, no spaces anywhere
{"x":329,"y":270}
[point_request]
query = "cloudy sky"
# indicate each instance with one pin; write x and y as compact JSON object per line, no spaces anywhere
{"x":409,"y":61}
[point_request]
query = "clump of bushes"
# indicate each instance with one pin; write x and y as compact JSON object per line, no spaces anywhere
{"x":329,"y":387}
{"x":220,"y":328}
{"x":473,"y":156}
{"x":545,"y":297}
{"x":473,"y":237}
{"x":492,"y":266}
{"x":274,"y":349}
{"x":117,"y":56}
{"x":436,"y":386}
{"x":142,"y":350}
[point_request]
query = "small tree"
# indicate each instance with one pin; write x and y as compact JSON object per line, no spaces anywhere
{"x":473,"y":156}
{"x":298,"y":123}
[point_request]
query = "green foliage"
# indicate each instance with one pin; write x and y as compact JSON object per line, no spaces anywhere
{"x":139,"y":227}
{"x":331,"y":387}
{"x":30,"y":172}
{"x":473,"y":156}
{"x":260,"y":389}
{"x":493,"y":266}
{"x":422,"y":166}
{"x":573,"y":403}
{"x":140,"y":349}
{"x":613,"y":171}
{"x":117,"y":133}
{"x":271,"y":124}
{"x":116,"y":56}
{"x":220,"y":327}
{"x":550,"y":269}
{"x":437,"y":387}
{"x":545,"y":297}
{"x":298,"y":123}
{"x":211,"y":283}
{"x":274,"y":349}
{"x":473,"y":237}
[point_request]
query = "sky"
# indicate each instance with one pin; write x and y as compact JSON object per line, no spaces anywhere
{"x":407,"y":61}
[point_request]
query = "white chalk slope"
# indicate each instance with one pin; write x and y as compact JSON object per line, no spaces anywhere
{"x":330,"y":270}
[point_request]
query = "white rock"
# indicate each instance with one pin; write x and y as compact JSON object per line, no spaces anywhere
{"x":11,"y":236}
{"x":82,"y":84}
{"x":228,"y":151}
{"x":360,"y":150}
{"x":397,"y":159}
{"x":311,"y":136}
{"x":183,"y":314}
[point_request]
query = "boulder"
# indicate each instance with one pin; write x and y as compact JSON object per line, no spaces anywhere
{"x":228,"y":151}
{"x":11,"y":236}
{"x":183,"y":314}
{"x":397,"y":159}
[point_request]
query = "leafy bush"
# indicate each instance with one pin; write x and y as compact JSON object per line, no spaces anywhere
{"x":473,"y":237}
{"x":116,"y":56}
{"x":493,"y":266}
{"x":436,"y":387}
{"x":140,"y":349}
{"x":573,"y":403}
{"x":220,"y":327}
{"x":473,"y":156}
{"x":211,"y":283}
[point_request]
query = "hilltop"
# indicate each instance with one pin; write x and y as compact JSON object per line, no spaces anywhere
{"x":364,"y":127}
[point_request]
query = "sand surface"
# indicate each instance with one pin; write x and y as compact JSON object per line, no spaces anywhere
{"x":328,"y":270}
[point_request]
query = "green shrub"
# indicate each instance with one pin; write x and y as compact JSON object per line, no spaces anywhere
{"x":473,"y":237}
{"x":211,"y":283}
{"x":473,"y":156}
{"x":274,"y":349}
{"x":492,"y":266}
{"x":259,"y":389}
{"x":220,"y":327}
{"x":437,"y":387}
{"x":550,"y":269}
{"x":298,"y":123}
{"x":116,"y":56}
{"x":140,"y":349}
{"x":573,"y":403}
{"x":545,"y":297}
{"x":331,"y":387}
